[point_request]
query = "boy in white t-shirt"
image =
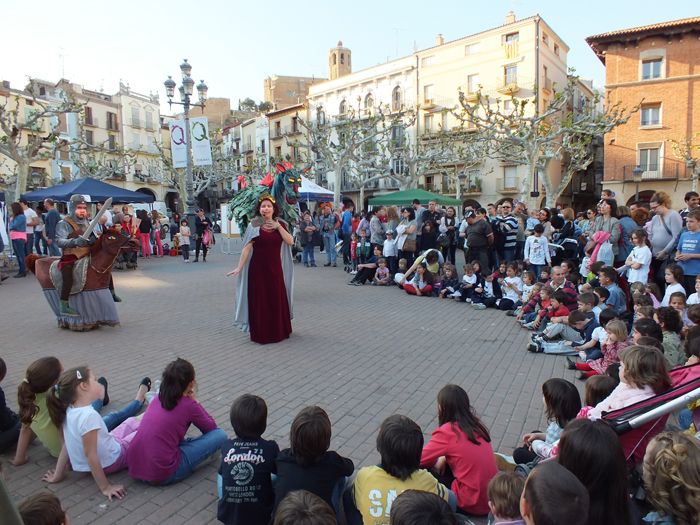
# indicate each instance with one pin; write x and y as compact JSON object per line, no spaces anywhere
{"x":537,"y":250}
{"x":469,"y":282}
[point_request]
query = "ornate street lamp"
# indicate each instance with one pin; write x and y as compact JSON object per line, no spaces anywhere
{"x":637,"y":173}
{"x":186,"y":91}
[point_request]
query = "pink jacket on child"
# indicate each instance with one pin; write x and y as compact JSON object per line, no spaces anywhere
{"x":623,"y":396}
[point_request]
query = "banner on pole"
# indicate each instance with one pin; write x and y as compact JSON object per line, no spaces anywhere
{"x":201,"y":147}
{"x":178,"y":143}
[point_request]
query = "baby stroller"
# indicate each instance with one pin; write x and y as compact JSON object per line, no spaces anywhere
{"x":563,"y":250}
{"x":637,"y":424}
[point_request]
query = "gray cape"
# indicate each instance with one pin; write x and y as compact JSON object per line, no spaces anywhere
{"x":241,"y":319}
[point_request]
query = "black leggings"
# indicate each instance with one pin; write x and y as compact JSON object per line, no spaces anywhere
{"x":200,"y":246}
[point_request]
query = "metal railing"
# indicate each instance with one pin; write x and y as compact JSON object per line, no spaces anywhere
{"x":112,"y":126}
{"x":136,"y":123}
{"x":546,"y":83}
{"x":667,"y":169}
{"x":151,"y":126}
{"x":93,"y":122}
{"x":432,"y":101}
{"x":513,"y":82}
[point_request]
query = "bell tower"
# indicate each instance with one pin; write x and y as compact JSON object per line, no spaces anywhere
{"x":339,"y":62}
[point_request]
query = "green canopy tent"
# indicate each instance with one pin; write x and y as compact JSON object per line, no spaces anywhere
{"x":405,"y":198}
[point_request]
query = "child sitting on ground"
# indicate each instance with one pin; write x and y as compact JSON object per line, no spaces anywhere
{"x":32,"y":393}
{"x":588,"y":304}
{"x":159,"y":453}
{"x":674,"y":282}
{"x":485,"y":293}
{"x":422,"y":283}
{"x":692,"y":352}
{"x":399,"y":443}
{"x":590,"y":350}
{"x":511,"y":288}
{"x":308,"y":464}
{"x":672,"y":477}
{"x":598,"y":388}
{"x":417,"y":507}
{"x":43,"y":508}
{"x":459,"y":451}
{"x":670,"y":321}
{"x":504,"y":492}
{"x":548,"y":485}
{"x":545,"y":274}
{"x":578,"y":331}
{"x":561,"y":403}
{"x":88,"y":443}
{"x":677,"y":302}
{"x":617,"y":339}
{"x":450,"y":282}
{"x":469,"y":283}
{"x":252,"y":455}
{"x":10,"y":424}
{"x":643,"y":374}
{"x":557,"y":308}
{"x":303,"y":508}
{"x":646,"y":328}
{"x":531,"y":320}
{"x":381,"y":276}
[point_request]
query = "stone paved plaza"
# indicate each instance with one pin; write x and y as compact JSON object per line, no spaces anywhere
{"x":362,"y":353}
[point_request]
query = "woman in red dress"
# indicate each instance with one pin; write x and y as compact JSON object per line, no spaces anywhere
{"x":264,"y":295}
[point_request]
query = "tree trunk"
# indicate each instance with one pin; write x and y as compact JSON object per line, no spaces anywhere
{"x":22,"y":176}
{"x":695,"y":180}
{"x":362,"y":196}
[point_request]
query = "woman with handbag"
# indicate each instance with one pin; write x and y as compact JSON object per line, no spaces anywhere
{"x":607,"y":222}
{"x":406,"y":236}
{"x":666,"y":227}
{"x":447,"y":240}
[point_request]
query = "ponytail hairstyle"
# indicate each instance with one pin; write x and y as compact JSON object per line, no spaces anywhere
{"x":176,"y":376}
{"x":41,"y":375}
{"x":64,"y":393}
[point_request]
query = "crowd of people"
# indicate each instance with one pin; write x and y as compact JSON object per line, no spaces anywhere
{"x":34,"y":231}
{"x":621,"y":300}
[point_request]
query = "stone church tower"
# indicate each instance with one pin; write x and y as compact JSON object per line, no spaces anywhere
{"x":339,"y":63}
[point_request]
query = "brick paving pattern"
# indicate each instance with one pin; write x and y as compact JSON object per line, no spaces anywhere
{"x":362,"y":353}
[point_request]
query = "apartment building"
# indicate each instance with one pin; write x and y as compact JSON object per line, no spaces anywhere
{"x":23,"y":101}
{"x":522,"y":59}
{"x":254,"y":141}
{"x":658,"y":66}
{"x":285,"y":129}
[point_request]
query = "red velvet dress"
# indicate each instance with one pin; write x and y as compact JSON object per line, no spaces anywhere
{"x":268,"y":307}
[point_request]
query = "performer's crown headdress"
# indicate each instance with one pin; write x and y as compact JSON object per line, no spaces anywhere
{"x":267,"y":197}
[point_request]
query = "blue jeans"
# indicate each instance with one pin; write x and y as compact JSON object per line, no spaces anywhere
{"x":38,"y":241}
{"x":194,"y":451}
{"x":508,"y":254}
{"x":329,"y":246}
{"x":30,"y":244}
{"x":536,"y":269}
{"x":18,"y":247}
{"x":53,"y":249}
{"x":685,"y":419}
{"x":115,"y":419}
{"x":308,"y":256}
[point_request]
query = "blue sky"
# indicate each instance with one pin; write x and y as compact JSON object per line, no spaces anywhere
{"x":234,"y":45}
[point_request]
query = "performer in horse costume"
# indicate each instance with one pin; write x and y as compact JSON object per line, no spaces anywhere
{"x":83,"y":273}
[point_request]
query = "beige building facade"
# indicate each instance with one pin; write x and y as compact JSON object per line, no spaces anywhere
{"x":285,"y":91}
{"x":285,"y":129}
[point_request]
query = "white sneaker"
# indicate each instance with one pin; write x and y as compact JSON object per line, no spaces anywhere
{"x":324,"y":251}
{"x":353,"y":272}
{"x":504,"y":463}
{"x":469,"y":300}
{"x":582,"y":355}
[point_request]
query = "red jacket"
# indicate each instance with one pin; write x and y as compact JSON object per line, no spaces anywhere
{"x":568,"y":288}
{"x":562,"y":312}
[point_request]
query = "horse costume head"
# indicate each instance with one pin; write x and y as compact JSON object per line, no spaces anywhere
{"x":287,"y":183}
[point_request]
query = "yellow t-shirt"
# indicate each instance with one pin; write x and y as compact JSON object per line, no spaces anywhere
{"x":374,"y":490}
{"x":44,"y":428}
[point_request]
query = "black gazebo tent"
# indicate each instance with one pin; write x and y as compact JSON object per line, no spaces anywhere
{"x":97,"y":190}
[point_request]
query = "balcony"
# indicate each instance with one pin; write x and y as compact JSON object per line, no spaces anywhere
{"x":136,"y":123}
{"x":512,"y":84}
{"x":151,"y":126}
{"x":151,"y":148}
{"x":92,"y":122}
{"x":472,"y":96}
{"x":435,"y":102}
{"x":507,"y":186}
{"x":666,"y":170}
{"x":247,"y":148}
{"x":546,"y":85}
{"x":112,"y":126}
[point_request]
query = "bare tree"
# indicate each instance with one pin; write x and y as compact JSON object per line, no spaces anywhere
{"x":31,"y":137}
{"x":684,"y":149}
{"x":337,"y":145}
{"x":525,"y":136}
